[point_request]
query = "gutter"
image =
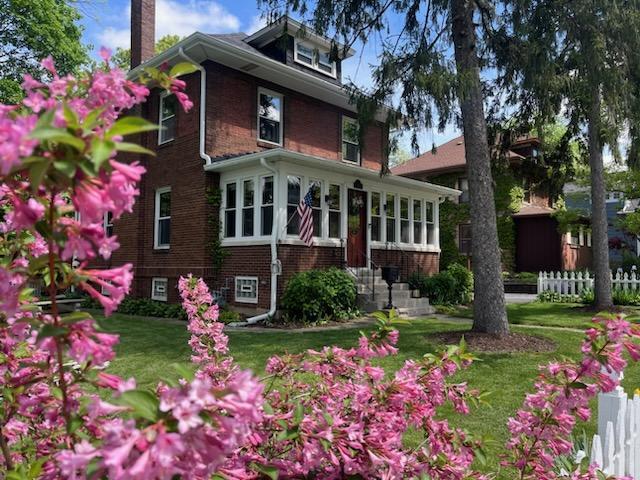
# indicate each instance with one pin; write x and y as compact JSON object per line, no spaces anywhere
{"x":203,"y":104}
{"x":275,"y":263}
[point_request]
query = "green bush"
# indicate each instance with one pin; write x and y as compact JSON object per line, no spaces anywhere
{"x":452,"y":286}
{"x":228,"y":316}
{"x":318,"y":296}
{"x":554,"y":297}
{"x":143,"y":307}
{"x":619,"y":296}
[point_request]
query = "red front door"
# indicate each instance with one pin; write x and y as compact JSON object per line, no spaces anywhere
{"x":357,"y":229}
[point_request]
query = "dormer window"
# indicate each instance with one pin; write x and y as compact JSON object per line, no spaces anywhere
{"x":315,"y":58}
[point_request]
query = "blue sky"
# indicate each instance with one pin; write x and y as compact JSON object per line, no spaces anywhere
{"x":106,"y":23}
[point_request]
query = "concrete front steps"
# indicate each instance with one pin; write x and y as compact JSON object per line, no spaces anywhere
{"x":372,"y":301}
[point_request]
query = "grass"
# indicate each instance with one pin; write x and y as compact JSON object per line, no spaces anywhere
{"x":149,"y":347}
{"x":566,"y":315}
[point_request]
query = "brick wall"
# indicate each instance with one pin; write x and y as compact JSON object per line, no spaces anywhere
{"x":409,"y":262}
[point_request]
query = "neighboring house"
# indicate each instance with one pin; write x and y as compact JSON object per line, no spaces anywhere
{"x":270,"y":119}
{"x":537,"y":244}
{"x":631,"y":206}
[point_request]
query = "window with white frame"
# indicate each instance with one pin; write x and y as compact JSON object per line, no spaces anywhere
{"x":266,"y":209}
{"x":463,"y":186}
{"x":314,"y":57}
{"x":168,"y":110}
{"x":248,"y":199}
{"x":230,"y":210}
{"x":159,"y":289}
{"x":431,"y":237}
{"x":269,"y":117}
{"x":417,"y":221}
{"x":316,"y":206}
{"x":162,"y":235}
{"x":350,"y":140}
{"x":405,"y":224}
{"x":247,"y":289}
{"x":108,"y":224}
{"x":376,"y":218}
{"x":293,"y":199}
{"x":335,"y":214}
{"x":390,"y":212}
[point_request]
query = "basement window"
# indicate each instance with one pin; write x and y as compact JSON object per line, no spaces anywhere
{"x":247,"y":289}
{"x":159,"y":289}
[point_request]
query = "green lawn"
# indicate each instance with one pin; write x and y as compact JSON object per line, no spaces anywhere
{"x":567,"y":315}
{"x":149,"y":347}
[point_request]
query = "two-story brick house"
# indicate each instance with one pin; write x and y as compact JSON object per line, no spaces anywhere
{"x":538,"y":245}
{"x":270,"y":120}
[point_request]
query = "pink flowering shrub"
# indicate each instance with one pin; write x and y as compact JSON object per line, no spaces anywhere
{"x":324,"y":414}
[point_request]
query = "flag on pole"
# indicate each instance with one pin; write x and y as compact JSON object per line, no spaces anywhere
{"x":305,"y":213}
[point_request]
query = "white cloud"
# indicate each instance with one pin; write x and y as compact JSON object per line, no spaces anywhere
{"x":257,"y":22}
{"x":175,"y":18}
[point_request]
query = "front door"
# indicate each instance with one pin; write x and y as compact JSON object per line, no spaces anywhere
{"x":357,"y":229}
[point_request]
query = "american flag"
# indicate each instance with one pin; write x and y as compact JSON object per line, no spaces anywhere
{"x":306,"y":218}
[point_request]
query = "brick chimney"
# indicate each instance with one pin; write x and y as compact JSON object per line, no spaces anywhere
{"x":143,"y":31}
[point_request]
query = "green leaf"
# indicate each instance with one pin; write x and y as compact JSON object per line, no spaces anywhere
{"x":58,"y":135}
{"x":183,"y":68}
{"x":184,"y":371}
{"x":143,"y":403}
{"x":578,"y":385}
{"x":49,"y":330}
{"x":75,"y":317}
{"x":68,"y":169}
{"x":70,"y":116}
{"x":129,"y":126}
{"x":268,"y":470}
{"x":101,"y":150}
{"x":37,"y":170}
{"x":134,"y":148}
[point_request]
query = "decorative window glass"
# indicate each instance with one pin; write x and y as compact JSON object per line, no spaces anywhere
{"x":162,"y":218}
{"x":315,"y":58}
{"x":247,"y":289}
{"x":405,"y":224}
{"x":230,"y":211}
{"x":417,"y":222}
{"x":316,"y":207}
{"x":270,"y":117}
{"x":335,"y":214}
{"x":431,"y":239}
{"x":159,"y":289}
{"x":350,"y":146}
{"x":266,"y":215}
{"x":464,"y":239}
{"x":108,"y":224}
{"x":168,"y":109}
{"x":293,"y":199}
{"x":376,"y":221}
{"x":463,"y":186}
{"x":248,"y":198}
{"x":390,"y":210}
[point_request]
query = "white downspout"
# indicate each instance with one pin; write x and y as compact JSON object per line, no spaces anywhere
{"x":274,"y":249}
{"x":203,"y":104}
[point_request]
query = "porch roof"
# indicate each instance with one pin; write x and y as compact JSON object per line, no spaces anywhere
{"x":281,"y":154}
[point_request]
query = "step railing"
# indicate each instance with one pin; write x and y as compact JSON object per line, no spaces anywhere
{"x":367,"y":276}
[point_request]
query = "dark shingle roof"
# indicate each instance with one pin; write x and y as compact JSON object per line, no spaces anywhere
{"x":237,"y":40}
{"x":227,"y":156}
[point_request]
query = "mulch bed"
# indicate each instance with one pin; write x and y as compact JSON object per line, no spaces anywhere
{"x":484,"y":342}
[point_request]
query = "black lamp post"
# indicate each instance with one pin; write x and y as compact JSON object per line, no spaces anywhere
{"x":390,"y":274}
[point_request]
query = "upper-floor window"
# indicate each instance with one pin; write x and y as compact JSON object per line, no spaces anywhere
{"x":269,"y":117}
{"x":613,"y":197}
{"x":162,"y":229}
{"x":168,"y":109}
{"x":315,"y":58}
{"x":350,"y":140}
{"x":463,"y":186}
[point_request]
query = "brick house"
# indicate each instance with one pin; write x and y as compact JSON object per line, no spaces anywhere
{"x":538,"y":245}
{"x":270,"y":120}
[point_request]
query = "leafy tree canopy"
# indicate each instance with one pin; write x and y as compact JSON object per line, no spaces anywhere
{"x":122,"y":56}
{"x":31,"y":30}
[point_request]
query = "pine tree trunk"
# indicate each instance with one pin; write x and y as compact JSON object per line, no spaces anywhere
{"x":489,"y":313}
{"x":599,"y":227}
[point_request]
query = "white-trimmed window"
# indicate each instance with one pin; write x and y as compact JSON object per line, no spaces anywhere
{"x":167,"y":121}
{"x":376,"y":218}
{"x":266,"y":208}
{"x":405,"y":223}
{"x":248,"y":200}
{"x":293,"y":199}
{"x":314,"y":57}
{"x":390,"y":213}
{"x":335,"y":214}
{"x":247,"y":289}
{"x":108,"y":224}
{"x":316,"y":206}
{"x":431,"y":237}
{"x":463,"y":186}
{"x":159,"y":289}
{"x":417,"y":221}
{"x":350,"y":140}
{"x":269,"y":117}
{"x":230,"y":210}
{"x":162,"y":231}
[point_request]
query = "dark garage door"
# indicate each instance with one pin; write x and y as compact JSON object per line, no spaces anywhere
{"x":537,"y":244}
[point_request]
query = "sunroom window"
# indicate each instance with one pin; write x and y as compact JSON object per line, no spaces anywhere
{"x":316,"y":207}
{"x":230,"y":211}
{"x":350,"y":140}
{"x":270,"y":117}
{"x":168,"y":109}
{"x":376,"y":221}
{"x":430,"y":223}
{"x":390,"y":210}
{"x":266,"y":215}
{"x":248,"y":198}
{"x":293,"y":198}
{"x":335,"y":215}
{"x":417,"y":221}
{"x":405,"y":225}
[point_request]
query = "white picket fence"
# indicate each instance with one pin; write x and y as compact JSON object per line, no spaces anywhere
{"x":615,"y":449}
{"x":573,"y":283}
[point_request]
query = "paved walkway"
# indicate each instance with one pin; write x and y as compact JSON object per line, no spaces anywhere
{"x":520,"y":297}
